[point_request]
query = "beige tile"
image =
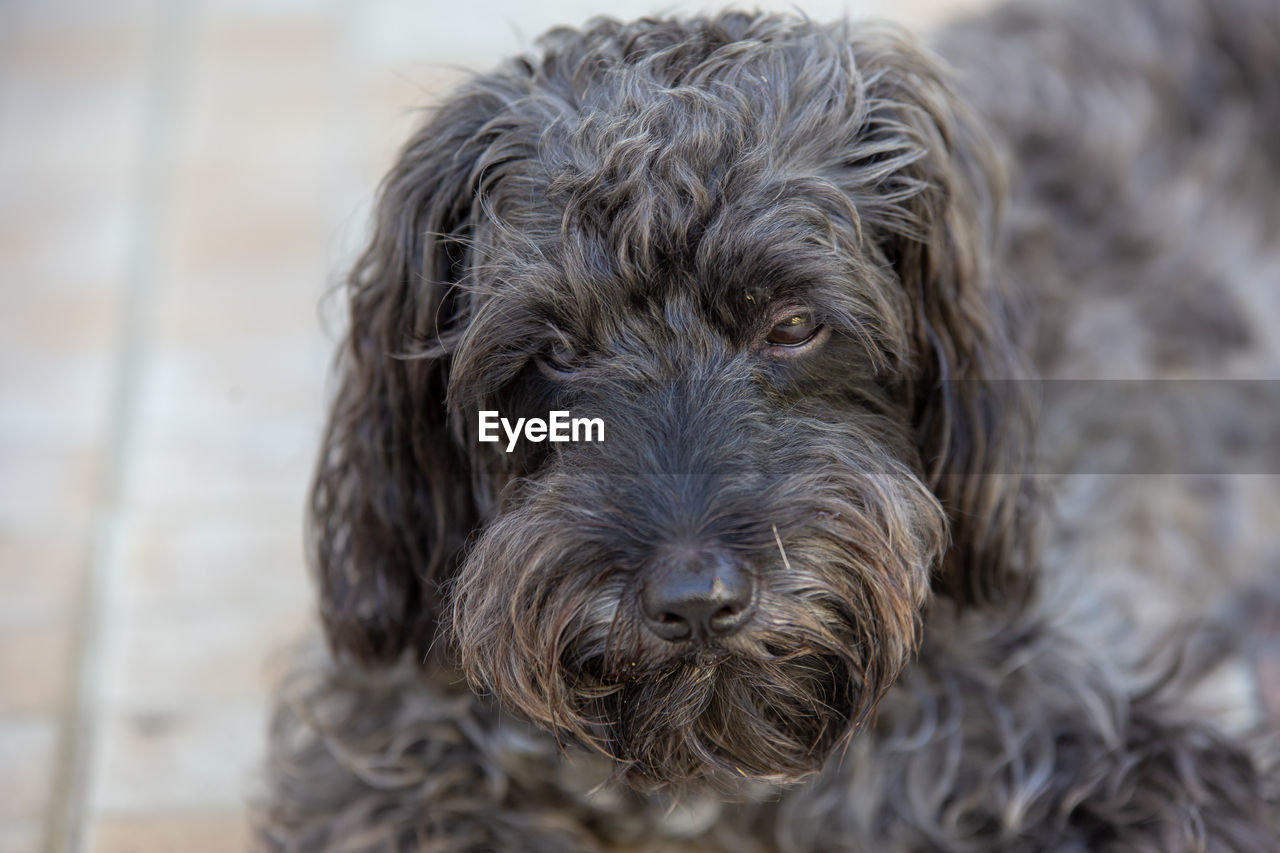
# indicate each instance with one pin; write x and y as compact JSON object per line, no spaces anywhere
{"x":69,"y":128}
{"x":69,"y":165}
{"x":399,"y":33}
{"x":264,"y":93}
{"x":109,"y":112}
{"x":232,"y":397}
{"x":56,"y":365}
{"x":275,"y":11}
{"x":201,"y":606}
{"x":36,"y":667}
{"x":42,"y":570}
{"x":70,"y":17}
{"x":55,"y":380}
{"x":251,"y":209}
{"x":21,"y":836}
{"x":265,"y":38}
{"x":45,"y":477}
{"x":236,"y":561}
{"x":69,"y":125}
{"x":232,"y":428}
{"x":202,"y":832}
{"x":207,"y":658}
{"x":166,"y":758}
{"x":262,"y":312}
{"x":76,"y":325}
{"x":267,"y":468}
{"x":391,"y":104}
{"x":62,"y":242}
{"x":72,"y":53}
{"x":40,"y":479}
{"x":57,"y":336}
{"x":241,"y":259}
{"x":27,"y":746}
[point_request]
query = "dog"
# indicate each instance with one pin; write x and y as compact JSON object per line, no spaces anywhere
{"x":818,"y":586}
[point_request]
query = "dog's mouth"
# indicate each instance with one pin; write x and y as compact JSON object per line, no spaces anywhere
{"x":723,"y":724}
{"x":756,"y":708}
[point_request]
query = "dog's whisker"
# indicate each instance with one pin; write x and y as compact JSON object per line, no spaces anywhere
{"x":785,"y":562}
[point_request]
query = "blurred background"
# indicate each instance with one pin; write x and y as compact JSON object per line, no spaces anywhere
{"x":181,"y":183}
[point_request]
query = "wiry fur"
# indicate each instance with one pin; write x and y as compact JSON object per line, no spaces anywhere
{"x":934,"y":661}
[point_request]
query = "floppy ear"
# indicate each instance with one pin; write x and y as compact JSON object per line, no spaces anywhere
{"x":966,"y":391}
{"x":391,"y":505}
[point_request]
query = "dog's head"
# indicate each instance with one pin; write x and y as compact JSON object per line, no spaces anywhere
{"x":757,"y":250}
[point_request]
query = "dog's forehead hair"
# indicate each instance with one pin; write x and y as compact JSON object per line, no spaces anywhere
{"x":637,"y":173}
{"x":759,"y":256}
{"x":729,"y":245}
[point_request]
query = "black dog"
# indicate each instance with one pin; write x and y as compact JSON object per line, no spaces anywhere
{"x":803,"y":595}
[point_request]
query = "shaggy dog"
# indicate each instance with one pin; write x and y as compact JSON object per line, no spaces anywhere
{"x":817,"y":589}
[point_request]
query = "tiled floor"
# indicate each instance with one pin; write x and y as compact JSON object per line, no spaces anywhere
{"x":178,"y":183}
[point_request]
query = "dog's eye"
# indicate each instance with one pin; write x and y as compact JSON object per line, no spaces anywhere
{"x":559,"y":361}
{"x":795,"y":330}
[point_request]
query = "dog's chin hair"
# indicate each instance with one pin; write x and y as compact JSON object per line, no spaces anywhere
{"x":767,"y":708}
{"x":833,"y":628}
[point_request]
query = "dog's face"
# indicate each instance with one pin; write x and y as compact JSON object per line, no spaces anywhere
{"x":755,"y":249}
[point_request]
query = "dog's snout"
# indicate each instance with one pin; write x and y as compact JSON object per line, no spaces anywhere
{"x":696,"y":595}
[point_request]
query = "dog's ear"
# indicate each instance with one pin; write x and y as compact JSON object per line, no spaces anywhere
{"x":392,"y":505}
{"x":968,"y":400}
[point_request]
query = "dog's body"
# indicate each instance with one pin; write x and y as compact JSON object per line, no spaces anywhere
{"x":922,"y":657}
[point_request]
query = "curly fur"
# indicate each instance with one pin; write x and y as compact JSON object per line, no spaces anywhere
{"x":935,"y":661}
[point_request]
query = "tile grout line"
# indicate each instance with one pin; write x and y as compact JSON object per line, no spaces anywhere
{"x":163,"y":84}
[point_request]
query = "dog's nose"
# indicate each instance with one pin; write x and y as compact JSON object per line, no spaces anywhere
{"x":696,"y":595}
